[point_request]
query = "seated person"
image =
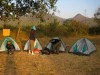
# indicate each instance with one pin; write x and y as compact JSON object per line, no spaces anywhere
{"x":56,"y":43}
{"x":10,"y":47}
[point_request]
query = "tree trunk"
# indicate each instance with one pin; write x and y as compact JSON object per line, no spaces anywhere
{"x":18,"y":33}
{"x":19,"y":28}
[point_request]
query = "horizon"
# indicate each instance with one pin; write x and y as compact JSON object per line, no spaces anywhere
{"x":86,"y":8}
{"x":73,"y":16}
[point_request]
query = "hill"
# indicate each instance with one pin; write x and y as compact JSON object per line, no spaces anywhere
{"x":29,"y":20}
{"x":48,"y":18}
{"x":79,"y":17}
{"x":83,"y":19}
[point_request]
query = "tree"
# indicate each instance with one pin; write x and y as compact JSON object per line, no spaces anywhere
{"x":97,"y":16}
{"x":75,"y":27}
{"x":18,"y":8}
{"x":5,"y":10}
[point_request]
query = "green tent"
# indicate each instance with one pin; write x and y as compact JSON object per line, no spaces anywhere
{"x":83,"y":46}
{"x":37,"y":45}
{"x":4,"y":41}
{"x":62,"y":47}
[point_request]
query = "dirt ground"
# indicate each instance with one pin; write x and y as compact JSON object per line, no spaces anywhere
{"x":22,"y":63}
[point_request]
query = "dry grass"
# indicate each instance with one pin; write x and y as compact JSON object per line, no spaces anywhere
{"x":62,"y":64}
{"x":27,"y":64}
{"x":3,"y":58}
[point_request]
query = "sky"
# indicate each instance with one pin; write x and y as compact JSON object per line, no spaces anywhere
{"x":69,"y":8}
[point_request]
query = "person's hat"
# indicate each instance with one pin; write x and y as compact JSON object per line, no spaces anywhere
{"x":33,"y":27}
{"x":9,"y":42}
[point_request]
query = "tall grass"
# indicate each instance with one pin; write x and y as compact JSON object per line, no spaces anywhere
{"x":53,"y":29}
{"x":94,"y":30}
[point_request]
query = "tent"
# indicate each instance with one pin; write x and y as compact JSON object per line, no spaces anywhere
{"x":37,"y":45}
{"x":4,"y":41}
{"x":83,"y":46}
{"x":62,"y":47}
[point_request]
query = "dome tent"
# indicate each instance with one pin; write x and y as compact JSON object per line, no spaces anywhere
{"x":4,"y":41}
{"x":83,"y":46}
{"x":37,"y":45}
{"x":62,"y":47}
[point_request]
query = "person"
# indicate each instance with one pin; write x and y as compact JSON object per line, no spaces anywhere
{"x":10,"y":47}
{"x":32,"y":39}
{"x":56,"y":43}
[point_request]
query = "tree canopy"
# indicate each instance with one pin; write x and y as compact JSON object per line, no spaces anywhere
{"x":97,"y":16}
{"x":15,"y":8}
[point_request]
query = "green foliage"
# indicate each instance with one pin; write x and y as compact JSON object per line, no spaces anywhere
{"x":14,"y":9}
{"x":75,"y":28}
{"x":54,"y":29}
{"x":68,"y":28}
{"x":22,"y":7}
{"x":94,"y":30}
{"x":6,"y":8}
{"x":26,"y":28}
{"x":6,"y":26}
{"x":51,"y":29}
{"x":97,"y":16}
{"x":40,"y":30}
{"x":61,"y":31}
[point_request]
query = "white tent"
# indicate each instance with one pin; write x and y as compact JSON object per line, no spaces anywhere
{"x":62,"y":47}
{"x":4,"y":42}
{"x":36,"y":45}
{"x":83,"y":46}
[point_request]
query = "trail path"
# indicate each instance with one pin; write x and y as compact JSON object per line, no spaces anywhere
{"x":10,"y":66}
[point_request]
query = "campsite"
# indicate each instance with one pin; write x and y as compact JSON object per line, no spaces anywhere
{"x":22,"y":63}
{"x":49,"y":37}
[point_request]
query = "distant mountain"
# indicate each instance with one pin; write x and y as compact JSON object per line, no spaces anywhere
{"x":28,"y":20}
{"x":80,"y":17}
{"x":61,"y":20}
{"x":83,"y":19}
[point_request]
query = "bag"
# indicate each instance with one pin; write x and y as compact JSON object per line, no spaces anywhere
{"x":36,"y":50}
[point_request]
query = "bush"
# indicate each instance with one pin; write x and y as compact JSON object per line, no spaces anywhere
{"x":41,"y":30}
{"x":11,"y":27}
{"x":26,"y":29}
{"x":94,"y":30}
{"x":76,"y":28}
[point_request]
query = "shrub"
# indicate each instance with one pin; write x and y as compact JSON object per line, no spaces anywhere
{"x":26,"y":29}
{"x":94,"y":30}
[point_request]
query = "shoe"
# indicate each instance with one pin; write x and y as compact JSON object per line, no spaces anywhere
{"x":33,"y":53}
{"x":29,"y":52}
